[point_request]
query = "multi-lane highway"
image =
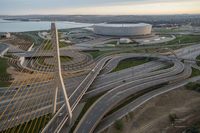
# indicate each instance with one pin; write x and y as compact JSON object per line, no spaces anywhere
{"x":110,"y":119}
{"x":184,"y":53}
{"x":113,"y":97}
{"x":117,"y":86}
{"x":109,"y":100}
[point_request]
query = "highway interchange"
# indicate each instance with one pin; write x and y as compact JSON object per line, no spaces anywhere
{"x":180,"y":71}
{"x":35,"y":100}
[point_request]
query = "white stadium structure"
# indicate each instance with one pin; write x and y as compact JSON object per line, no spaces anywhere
{"x":123,"y":29}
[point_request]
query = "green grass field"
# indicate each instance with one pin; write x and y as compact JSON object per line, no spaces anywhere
{"x":48,"y":46}
{"x":65,"y":59}
{"x":4,"y":76}
{"x":42,"y":62}
{"x":129,"y":63}
{"x":112,"y":42}
{"x":87,"y":105}
{"x":195,"y":72}
{"x":184,"y":39}
{"x":95,"y":54}
{"x":193,"y":86}
{"x":164,"y":30}
{"x":198,"y":62}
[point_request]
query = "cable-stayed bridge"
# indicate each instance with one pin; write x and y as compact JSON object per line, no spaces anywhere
{"x":29,"y":102}
{"x":48,"y":100}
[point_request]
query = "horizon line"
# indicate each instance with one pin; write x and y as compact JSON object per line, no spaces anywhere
{"x":98,"y":14}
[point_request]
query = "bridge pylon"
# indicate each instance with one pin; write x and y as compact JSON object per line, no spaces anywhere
{"x":58,"y":79}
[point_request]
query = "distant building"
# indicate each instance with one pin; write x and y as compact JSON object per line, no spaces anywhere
{"x":124,"y":41}
{"x":66,"y":41}
{"x":139,"y":29}
{"x":6,"y":35}
{"x":45,"y":34}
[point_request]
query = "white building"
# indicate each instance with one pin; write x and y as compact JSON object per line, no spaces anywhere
{"x":123,"y":29}
{"x":125,"y":40}
{"x":6,"y":35}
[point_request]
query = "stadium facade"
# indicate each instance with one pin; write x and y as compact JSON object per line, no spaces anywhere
{"x":123,"y":29}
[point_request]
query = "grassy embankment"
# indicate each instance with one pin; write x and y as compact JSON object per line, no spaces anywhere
{"x":48,"y":46}
{"x":127,"y":63}
{"x":184,"y":39}
{"x":193,"y":86}
{"x":196,"y":72}
{"x":4,"y":76}
{"x":63,"y":59}
{"x":174,"y":44}
{"x":95,"y":54}
{"x":98,"y":53}
{"x":198,"y":62}
{"x":165,"y":30}
{"x":87,"y":105}
{"x":180,"y":39}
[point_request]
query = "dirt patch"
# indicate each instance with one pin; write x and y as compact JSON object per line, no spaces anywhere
{"x":27,"y":77}
{"x":153,"y":116}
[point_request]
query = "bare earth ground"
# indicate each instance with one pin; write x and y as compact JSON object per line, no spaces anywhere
{"x":153,"y":116}
{"x":27,"y":77}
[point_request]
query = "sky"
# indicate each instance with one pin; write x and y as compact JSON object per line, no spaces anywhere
{"x":99,"y":7}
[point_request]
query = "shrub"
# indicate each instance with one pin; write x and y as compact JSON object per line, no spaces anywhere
{"x":172,"y":118}
{"x":119,"y":125}
{"x":193,"y":86}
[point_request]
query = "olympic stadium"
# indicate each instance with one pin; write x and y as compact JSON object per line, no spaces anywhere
{"x":139,"y":29}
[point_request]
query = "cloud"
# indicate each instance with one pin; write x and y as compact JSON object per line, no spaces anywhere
{"x":99,"y":6}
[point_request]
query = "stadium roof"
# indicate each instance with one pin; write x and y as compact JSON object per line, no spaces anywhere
{"x":122,"y":25}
